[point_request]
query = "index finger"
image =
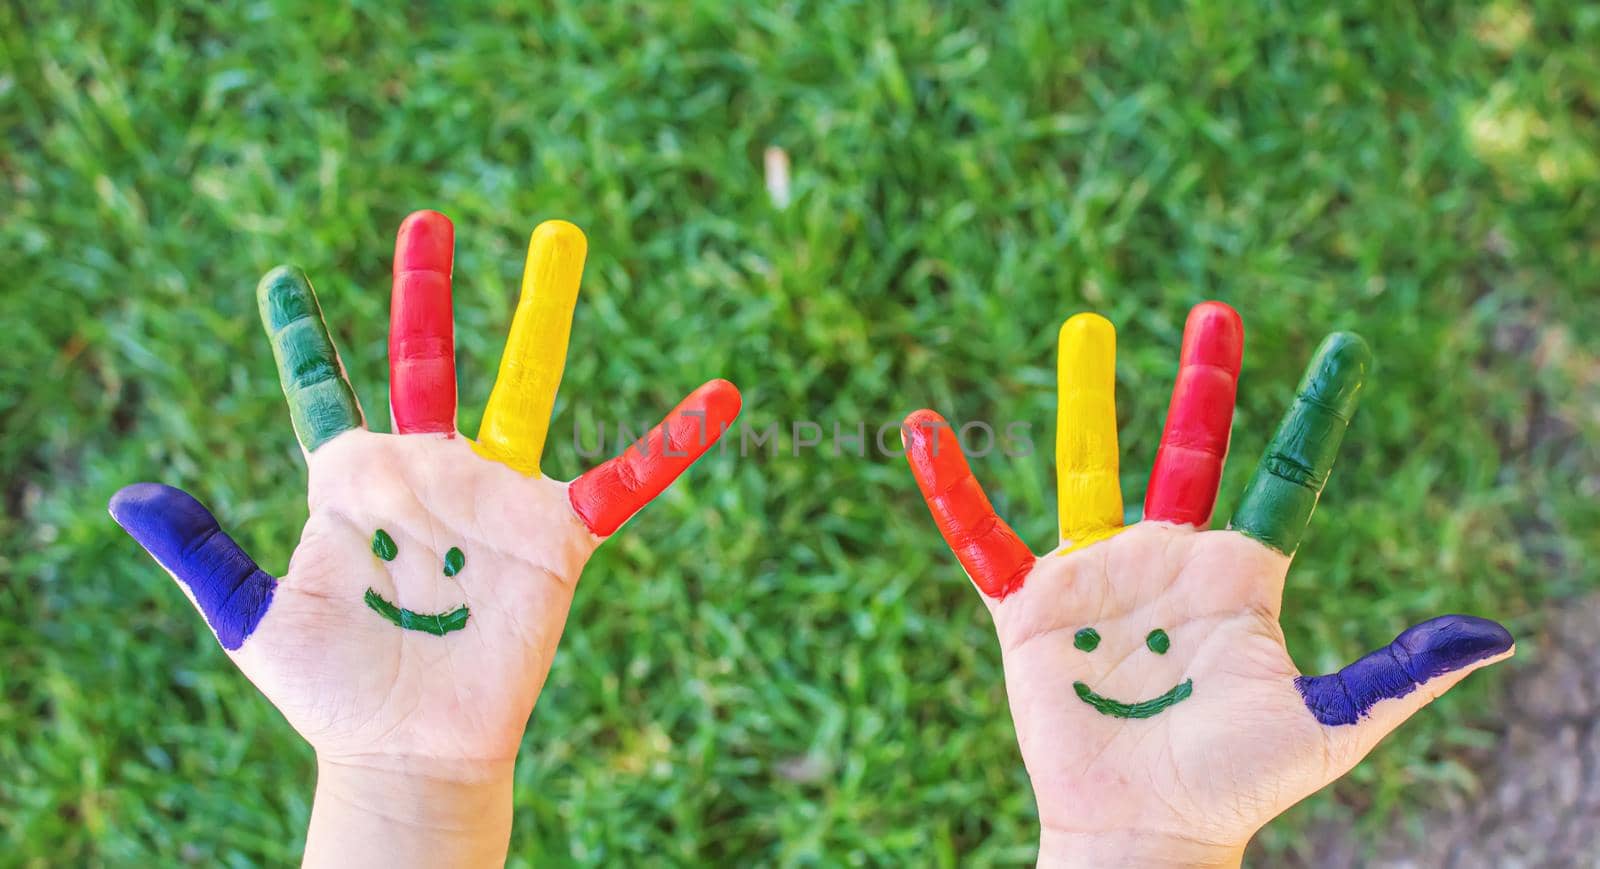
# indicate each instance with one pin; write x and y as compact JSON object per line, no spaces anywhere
{"x":1278,"y":503}
{"x":517,"y":419}
{"x":322,"y":405}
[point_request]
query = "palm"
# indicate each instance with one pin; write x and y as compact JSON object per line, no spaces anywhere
{"x":349,"y":679}
{"x":368,"y":644}
{"x":1217,"y":762}
{"x":1153,"y":697}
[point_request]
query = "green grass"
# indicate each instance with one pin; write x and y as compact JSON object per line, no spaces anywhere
{"x":778,"y":661}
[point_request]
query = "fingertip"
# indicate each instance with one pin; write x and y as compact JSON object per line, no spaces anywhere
{"x":1449,"y":643}
{"x":1347,"y":350}
{"x":1086,"y":359}
{"x":922,"y":425}
{"x":558,"y":236}
{"x":129,"y":500}
{"x":1337,"y":372}
{"x":425,"y":241}
{"x":425,"y":218}
{"x":284,"y":295}
{"x":1215,"y":310}
{"x":721,"y":398}
{"x":279,"y":275}
{"x":161,"y":518}
{"x":1214,"y":335}
{"x":1088,"y":326}
{"x":140,"y":499}
{"x":717,"y":404}
{"x":551,"y":278}
{"x":282,"y":278}
{"x":932,"y":451}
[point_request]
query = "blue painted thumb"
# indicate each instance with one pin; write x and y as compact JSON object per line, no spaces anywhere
{"x":1433,"y":649}
{"x":183,"y":537}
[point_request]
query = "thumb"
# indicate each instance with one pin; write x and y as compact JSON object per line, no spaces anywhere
{"x":224,"y":583}
{"x":1362,"y":703}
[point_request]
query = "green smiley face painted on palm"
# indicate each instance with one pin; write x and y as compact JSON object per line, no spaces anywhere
{"x":437,"y":624}
{"x":1157,"y":641}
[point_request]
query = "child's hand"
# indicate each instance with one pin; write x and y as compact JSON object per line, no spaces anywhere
{"x":1158,"y":712}
{"x":421,"y":610}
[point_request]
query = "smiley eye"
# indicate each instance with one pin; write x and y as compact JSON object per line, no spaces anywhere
{"x":1158,"y":641}
{"x":454,"y":561}
{"x":383,"y":545}
{"x":1086,"y":639}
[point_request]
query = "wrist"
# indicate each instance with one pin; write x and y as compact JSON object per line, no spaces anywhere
{"x":1062,"y":848}
{"x":395,"y":812}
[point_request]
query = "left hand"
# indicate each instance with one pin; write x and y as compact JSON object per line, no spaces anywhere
{"x":1158,"y":712}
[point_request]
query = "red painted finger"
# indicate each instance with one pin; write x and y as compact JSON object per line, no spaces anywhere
{"x":609,"y":495}
{"x":996,"y":559}
{"x":422,"y":353}
{"x":1183,"y":483}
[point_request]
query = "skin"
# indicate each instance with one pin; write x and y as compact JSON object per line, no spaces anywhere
{"x":440,"y":623}
{"x":422,"y":711}
{"x":410,"y":692}
{"x":416,"y":734}
{"x":1205,"y":773}
{"x":1142,"y":709}
{"x":1191,"y":782}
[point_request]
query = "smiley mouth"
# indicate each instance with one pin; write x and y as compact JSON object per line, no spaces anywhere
{"x":438,"y":625}
{"x":1118,"y":709}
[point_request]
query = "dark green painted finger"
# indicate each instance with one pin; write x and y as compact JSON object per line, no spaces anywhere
{"x":1278,"y":502}
{"x":321,"y":402}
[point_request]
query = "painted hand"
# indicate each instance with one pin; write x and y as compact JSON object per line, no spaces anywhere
{"x":1157,"y":709}
{"x":421,"y":610}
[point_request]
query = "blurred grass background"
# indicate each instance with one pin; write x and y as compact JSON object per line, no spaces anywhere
{"x":778,"y":661}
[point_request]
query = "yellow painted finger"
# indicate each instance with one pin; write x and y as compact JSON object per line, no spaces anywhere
{"x":517,"y":418}
{"x":1088,"y":493}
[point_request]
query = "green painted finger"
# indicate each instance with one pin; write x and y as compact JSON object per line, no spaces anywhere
{"x":321,"y":403}
{"x":1278,"y":502}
